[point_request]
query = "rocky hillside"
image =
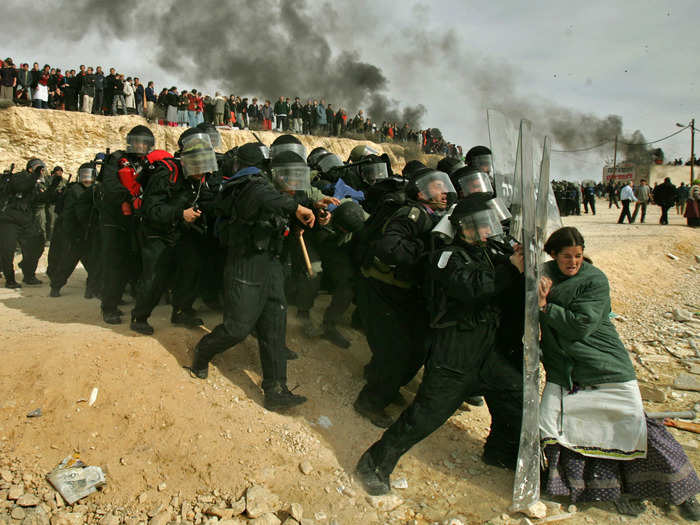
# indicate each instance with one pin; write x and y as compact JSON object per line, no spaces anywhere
{"x":69,"y":138}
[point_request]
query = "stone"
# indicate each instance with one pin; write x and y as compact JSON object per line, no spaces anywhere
{"x":453,"y":521}
{"x":652,"y":393}
{"x":15,"y":492}
{"x":296,"y":511}
{"x":572,"y":509}
{"x":28,"y":500}
{"x":385,"y":503}
{"x":110,"y":519}
{"x":306,"y":468}
{"x":686,"y":381}
{"x":67,"y":518}
{"x":160,"y":519}
{"x":399,"y":483}
{"x":525,"y":521}
{"x":266,"y":519}
{"x":681,"y":315}
{"x":221,"y":513}
{"x":290,"y":521}
{"x":697,"y":258}
{"x":162,"y":487}
{"x":18,"y":513}
{"x":694,"y":368}
{"x":537,"y":510}
{"x":6,"y":475}
{"x":235,"y":521}
{"x":238,"y":506}
{"x":259,"y":501}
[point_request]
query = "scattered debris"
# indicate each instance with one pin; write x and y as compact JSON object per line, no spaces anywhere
{"x":306,"y":467}
{"x":671,"y":256}
{"x":93,"y":397}
{"x":686,"y":381}
{"x":399,"y":483}
{"x":74,"y":480}
{"x":35,"y":413}
{"x":324,"y":422}
{"x":681,"y":315}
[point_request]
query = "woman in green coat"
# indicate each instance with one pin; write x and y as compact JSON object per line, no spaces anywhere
{"x":598,"y":443}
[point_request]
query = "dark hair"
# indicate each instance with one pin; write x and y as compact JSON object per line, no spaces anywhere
{"x":564,"y":238}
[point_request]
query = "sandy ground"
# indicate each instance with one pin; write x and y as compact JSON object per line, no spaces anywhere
{"x":153,"y":424}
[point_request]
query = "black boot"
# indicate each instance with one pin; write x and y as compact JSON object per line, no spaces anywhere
{"x":690,"y":509}
{"x":141,"y":326}
{"x":186,"y":318}
{"x":331,"y":333}
{"x":377,"y":416}
{"x":32,"y":280}
{"x":290,"y":354}
{"x":200,"y":366}
{"x":279,"y":398}
{"x":375,"y":481}
{"x":55,"y":292}
{"x":475,"y":401}
{"x":12,"y":285}
{"x":629,"y":507}
{"x":111,"y":317}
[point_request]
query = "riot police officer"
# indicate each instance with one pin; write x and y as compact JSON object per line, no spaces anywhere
{"x":120,"y":203}
{"x":254,"y":222}
{"x":70,"y":241}
{"x":19,"y":222}
{"x":390,"y":296}
{"x":474,"y":281}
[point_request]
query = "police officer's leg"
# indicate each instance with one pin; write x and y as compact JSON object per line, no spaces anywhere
{"x":306,"y":287}
{"x":114,"y":259}
{"x":503,"y":389}
{"x":272,"y":330}
{"x":93,"y":286}
{"x":340,"y":273}
{"x":187,"y":272}
{"x":243,"y":305}
{"x":32,"y":241}
{"x":8,"y":243}
{"x":157,"y":259}
{"x":64,"y":254}
{"x":440,"y":394}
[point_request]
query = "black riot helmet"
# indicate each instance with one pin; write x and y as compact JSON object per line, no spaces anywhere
{"x":411,"y":167}
{"x":187,"y":133}
{"x":373,"y":169}
{"x":87,"y":173}
{"x":36,"y":167}
{"x":249,"y":155}
{"x":470,"y":180}
{"x":326,"y":162}
{"x":475,"y":221}
{"x":290,"y":173}
{"x":349,"y":217}
{"x":197,"y":155}
{"x":140,"y":141}
{"x":360,"y":152}
{"x":213,"y":133}
{"x":449,"y":165}
{"x":315,"y":154}
{"x":433,"y":188}
{"x":288,"y":143}
{"x":480,"y":157}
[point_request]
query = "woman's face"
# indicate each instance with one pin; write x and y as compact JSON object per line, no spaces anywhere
{"x":569,"y":260}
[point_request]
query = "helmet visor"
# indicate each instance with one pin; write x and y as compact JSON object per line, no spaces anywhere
{"x":139,"y":144}
{"x":499,"y":208}
{"x":474,"y":183}
{"x":371,"y":173}
{"x":197,"y":155}
{"x":299,"y":149}
{"x":86,"y":176}
{"x":457,"y":166}
{"x":328,"y":162}
{"x":436,"y":189}
{"x":480,"y":226}
{"x":482,"y":163}
{"x":292,"y":177}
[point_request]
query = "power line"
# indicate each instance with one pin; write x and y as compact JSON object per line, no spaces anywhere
{"x":620,"y":142}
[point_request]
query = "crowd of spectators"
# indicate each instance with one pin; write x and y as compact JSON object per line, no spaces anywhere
{"x":679,"y":162}
{"x":90,"y":90}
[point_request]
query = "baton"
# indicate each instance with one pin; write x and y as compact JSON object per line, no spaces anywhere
{"x":305,"y":253}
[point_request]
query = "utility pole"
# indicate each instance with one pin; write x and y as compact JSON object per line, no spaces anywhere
{"x":692,"y":151}
{"x":612,"y":177}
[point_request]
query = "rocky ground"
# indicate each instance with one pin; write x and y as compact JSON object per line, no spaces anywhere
{"x":176,"y":449}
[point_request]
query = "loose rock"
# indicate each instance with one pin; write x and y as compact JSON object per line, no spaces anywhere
{"x":15,"y":492}
{"x":259,"y":501}
{"x":385,"y":503}
{"x":296,"y":511}
{"x":681,"y":315}
{"x":28,"y":500}
{"x":306,"y":468}
{"x":160,"y":519}
{"x":266,"y":519}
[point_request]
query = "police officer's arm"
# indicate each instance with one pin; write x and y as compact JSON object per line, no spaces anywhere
{"x":50,"y":194}
{"x":467,"y":281}
{"x":70,"y":210}
{"x":272,"y":201}
{"x":401,"y":243}
{"x":158,"y":208}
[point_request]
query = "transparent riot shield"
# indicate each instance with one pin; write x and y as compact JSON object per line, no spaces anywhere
{"x":503,"y":136}
{"x":542,"y":207}
{"x":526,"y":487}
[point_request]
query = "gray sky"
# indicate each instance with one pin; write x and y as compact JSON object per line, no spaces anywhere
{"x":635,"y":59}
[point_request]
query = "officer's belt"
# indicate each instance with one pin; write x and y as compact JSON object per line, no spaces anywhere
{"x":387,"y":277}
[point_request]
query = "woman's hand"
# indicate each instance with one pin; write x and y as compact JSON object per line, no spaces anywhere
{"x":543,"y":288}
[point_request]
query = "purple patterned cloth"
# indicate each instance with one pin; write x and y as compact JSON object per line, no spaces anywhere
{"x":665,"y":473}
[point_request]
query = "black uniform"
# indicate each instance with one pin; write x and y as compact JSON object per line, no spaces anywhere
{"x":473,"y":350}
{"x":392,"y":306}
{"x":70,"y":241}
{"x":253,"y":226}
{"x":120,"y":255}
{"x":19,"y":223}
{"x":169,"y":246}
